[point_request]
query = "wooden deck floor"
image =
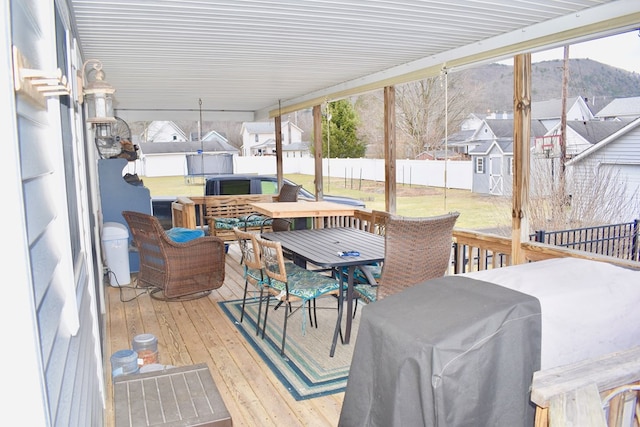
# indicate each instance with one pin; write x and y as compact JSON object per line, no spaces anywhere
{"x":199,"y":332}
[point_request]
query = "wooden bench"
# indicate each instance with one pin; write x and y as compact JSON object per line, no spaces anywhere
{"x":180,"y":396}
{"x":202,"y":212}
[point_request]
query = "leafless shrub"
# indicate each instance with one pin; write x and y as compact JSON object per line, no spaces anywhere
{"x":579,"y":198}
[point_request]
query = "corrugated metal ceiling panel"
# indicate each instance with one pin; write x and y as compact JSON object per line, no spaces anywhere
{"x":245,"y":55}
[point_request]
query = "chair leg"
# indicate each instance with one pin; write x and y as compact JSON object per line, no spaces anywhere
{"x":338,"y":329}
{"x":315,"y":314}
{"x":284,"y":331}
{"x":244,"y":300}
{"x":260,"y":312}
{"x":266,"y":312}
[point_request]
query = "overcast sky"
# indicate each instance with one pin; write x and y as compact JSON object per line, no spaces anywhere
{"x":621,"y":51}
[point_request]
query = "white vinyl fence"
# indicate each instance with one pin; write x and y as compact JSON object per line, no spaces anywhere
{"x":419,"y":172}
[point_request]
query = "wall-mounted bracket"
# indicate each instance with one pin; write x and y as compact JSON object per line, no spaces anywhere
{"x":35,"y":84}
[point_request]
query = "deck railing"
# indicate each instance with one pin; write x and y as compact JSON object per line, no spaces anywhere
{"x":471,"y":250}
{"x":618,"y":240}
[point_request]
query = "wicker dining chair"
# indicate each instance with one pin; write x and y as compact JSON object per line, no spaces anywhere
{"x":173,"y":270}
{"x":252,"y":264}
{"x":416,"y":250}
{"x":290,"y":283}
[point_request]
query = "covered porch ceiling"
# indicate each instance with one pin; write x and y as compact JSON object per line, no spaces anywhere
{"x":248,"y":60}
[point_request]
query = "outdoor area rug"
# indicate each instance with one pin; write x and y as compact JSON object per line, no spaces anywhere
{"x":306,"y":370}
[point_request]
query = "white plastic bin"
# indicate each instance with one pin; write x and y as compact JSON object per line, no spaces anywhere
{"x":115,"y":240}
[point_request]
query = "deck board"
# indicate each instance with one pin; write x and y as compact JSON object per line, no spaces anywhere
{"x":198,"y":331}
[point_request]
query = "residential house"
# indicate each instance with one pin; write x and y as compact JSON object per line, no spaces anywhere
{"x":268,"y":148}
{"x":164,"y":131}
{"x":186,"y":158}
{"x":549,"y":112}
{"x":258,"y":139}
{"x":168,"y":152}
{"x":614,"y":158}
{"x":492,"y":160}
{"x":462,"y":141}
{"x":581,"y":135}
{"x":620,"y":108}
{"x":471,"y":122}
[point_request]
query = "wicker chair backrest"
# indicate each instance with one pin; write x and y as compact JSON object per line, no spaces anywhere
{"x":250,"y":248}
{"x":416,"y":250}
{"x":289,"y":193}
{"x":273,"y":259}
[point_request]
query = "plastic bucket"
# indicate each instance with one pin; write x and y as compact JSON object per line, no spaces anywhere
{"x":124,"y":362}
{"x":146,"y":345}
{"x":115,"y":240}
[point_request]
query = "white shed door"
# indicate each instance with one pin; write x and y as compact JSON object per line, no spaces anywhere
{"x":495,"y":175}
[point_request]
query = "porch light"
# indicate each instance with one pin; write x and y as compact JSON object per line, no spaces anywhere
{"x":98,"y":94}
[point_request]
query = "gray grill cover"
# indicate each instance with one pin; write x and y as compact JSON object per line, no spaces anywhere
{"x":452,"y":351}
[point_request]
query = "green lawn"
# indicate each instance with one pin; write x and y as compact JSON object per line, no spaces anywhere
{"x":476,"y":211}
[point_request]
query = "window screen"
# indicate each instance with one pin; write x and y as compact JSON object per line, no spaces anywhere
{"x":234,"y":187}
{"x":269,"y":187}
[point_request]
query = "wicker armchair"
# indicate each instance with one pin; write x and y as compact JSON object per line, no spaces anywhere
{"x":176,"y":270}
{"x":416,"y":249}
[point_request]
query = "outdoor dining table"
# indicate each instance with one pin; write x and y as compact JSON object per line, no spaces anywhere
{"x":320,"y":247}
{"x":304,"y":209}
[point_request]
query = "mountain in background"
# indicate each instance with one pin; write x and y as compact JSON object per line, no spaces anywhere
{"x":485,"y":89}
{"x":490,"y":86}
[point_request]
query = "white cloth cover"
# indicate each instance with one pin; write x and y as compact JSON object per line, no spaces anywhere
{"x":589,"y":308}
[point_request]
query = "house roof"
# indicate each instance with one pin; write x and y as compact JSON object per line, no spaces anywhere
{"x":628,"y":127}
{"x":505,"y":145}
{"x":210,"y":147}
{"x":503,"y":128}
{"x":552,"y":108}
{"x":264,"y":127}
{"x":594,"y":131}
{"x":250,"y":60}
{"x":621,"y":107}
{"x":461,"y":138}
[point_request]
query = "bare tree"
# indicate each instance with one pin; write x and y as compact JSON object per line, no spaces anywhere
{"x":139,"y":131}
{"x":426,"y":109}
{"x":370,"y":108}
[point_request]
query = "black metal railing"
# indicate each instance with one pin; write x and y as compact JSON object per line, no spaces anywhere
{"x":617,"y":240}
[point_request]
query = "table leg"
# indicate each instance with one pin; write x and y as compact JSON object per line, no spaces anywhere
{"x":299,"y":261}
{"x":337,"y":331}
{"x":347,"y":332}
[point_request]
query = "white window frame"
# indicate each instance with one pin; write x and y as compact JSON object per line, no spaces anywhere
{"x":479,"y":164}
